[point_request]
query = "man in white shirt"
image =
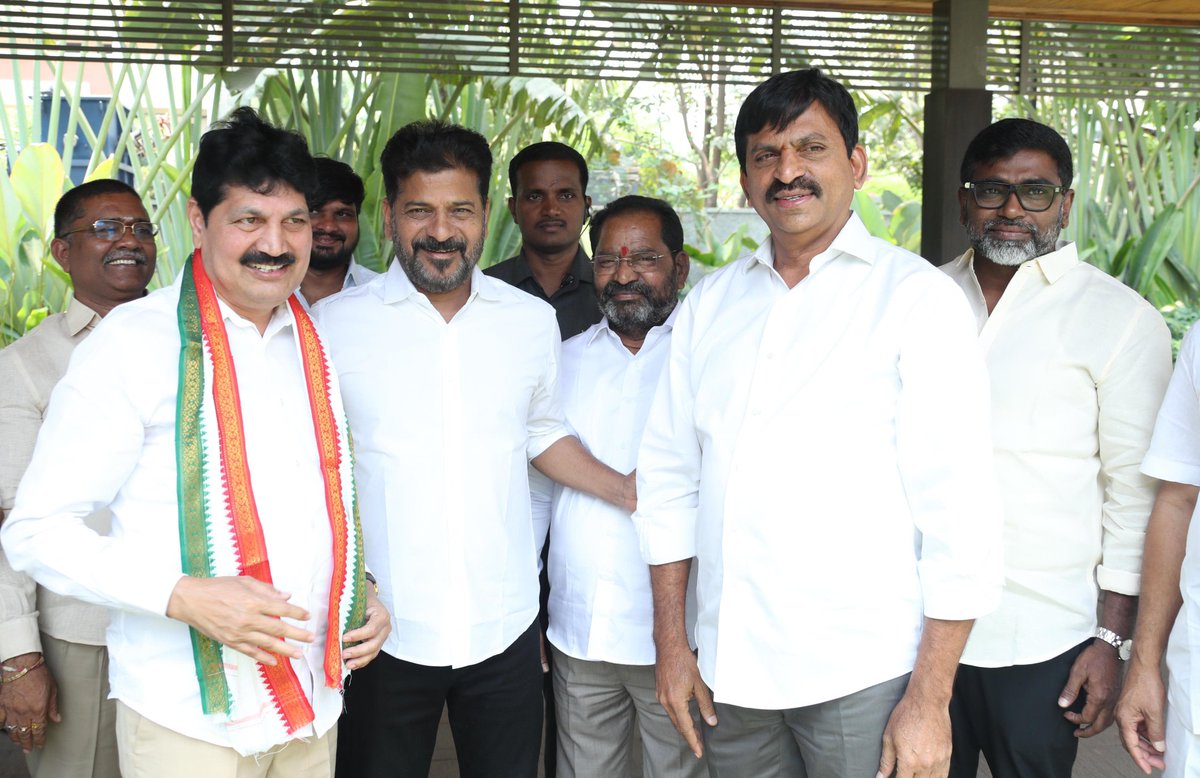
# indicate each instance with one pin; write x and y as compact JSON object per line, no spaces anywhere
{"x":1078,"y":365}
{"x":206,"y":418}
{"x":600,"y":605}
{"x":55,"y":665}
{"x":819,"y":443}
{"x":1159,"y":727}
{"x":451,"y":395}
{"x":334,"y":207}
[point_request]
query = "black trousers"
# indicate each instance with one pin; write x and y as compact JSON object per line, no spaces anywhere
{"x":1011,"y":714}
{"x":393,"y":709}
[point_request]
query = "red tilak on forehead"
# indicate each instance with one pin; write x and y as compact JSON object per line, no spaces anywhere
{"x":624,"y":251}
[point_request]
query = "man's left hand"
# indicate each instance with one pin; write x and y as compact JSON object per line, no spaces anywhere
{"x":916,"y":742}
{"x":1096,"y":672}
{"x":368,"y":638}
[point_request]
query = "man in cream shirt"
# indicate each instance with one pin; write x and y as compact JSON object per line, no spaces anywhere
{"x":54,"y":686}
{"x":819,"y":444}
{"x":1078,"y":366}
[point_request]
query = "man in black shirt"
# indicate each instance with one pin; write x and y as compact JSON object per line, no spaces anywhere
{"x":549,"y":204}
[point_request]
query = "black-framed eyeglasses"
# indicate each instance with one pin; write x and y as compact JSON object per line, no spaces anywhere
{"x":112,"y":230}
{"x":1032,"y":197}
{"x":642,"y":262}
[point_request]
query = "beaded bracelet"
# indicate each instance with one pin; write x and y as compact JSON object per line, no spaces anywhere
{"x":21,"y":673}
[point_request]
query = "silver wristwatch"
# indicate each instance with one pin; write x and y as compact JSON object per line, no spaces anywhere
{"x":1124,"y":646}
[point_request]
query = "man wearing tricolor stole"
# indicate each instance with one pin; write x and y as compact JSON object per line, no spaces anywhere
{"x":208,"y":418}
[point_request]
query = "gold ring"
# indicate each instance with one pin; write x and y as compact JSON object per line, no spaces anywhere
{"x":35,"y":725}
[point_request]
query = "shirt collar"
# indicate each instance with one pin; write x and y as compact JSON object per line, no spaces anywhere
{"x":281,"y":317}
{"x":1053,"y":266}
{"x":397,"y":286}
{"x":853,"y":240}
{"x":603,"y":330}
{"x":80,"y":317}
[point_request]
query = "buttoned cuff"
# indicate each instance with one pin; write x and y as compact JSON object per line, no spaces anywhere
{"x":20,"y":635}
{"x":666,"y":538}
{"x":1119,"y":581}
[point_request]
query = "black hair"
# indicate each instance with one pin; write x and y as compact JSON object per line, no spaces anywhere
{"x":244,"y":150}
{"x":779,"y":101}
{"x":1006,"y":137}
{"x":670,"y":227}
{"x":70,"y":205}
{"x":336,"y":181}
{"x":431,"y":146}
{"x":547,"y":151}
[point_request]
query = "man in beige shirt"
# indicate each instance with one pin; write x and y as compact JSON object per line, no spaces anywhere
{"x":1078,"y":365}
{"x":54,"y":675}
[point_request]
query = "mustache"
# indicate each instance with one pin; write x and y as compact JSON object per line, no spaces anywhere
{"x":116,"y":255}
{"x":262,"y":258}
{"x":800,"y":182}
{"x":1029,"y":227}
{"x":637,"y":285}
{"x":449,"y":244}
{"x":337,"y":234}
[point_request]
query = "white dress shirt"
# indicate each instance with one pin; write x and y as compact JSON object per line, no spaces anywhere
{"x":445,"y":417}
{"x":1078,"y":364}
{"x":824,"y":453}
{"x":109,"y":439}
{"x":1174,"y":455}
{"x":601,"y":607}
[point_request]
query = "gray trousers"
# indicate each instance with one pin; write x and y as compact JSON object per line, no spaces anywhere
{"x":841,"y":738}
{"x":599,"y":703}
{"x":84,"y":743}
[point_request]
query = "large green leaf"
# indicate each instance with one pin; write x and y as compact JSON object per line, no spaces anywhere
{"x":39,"y":180}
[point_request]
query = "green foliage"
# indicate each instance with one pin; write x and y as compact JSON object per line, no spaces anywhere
{"x":1179,"y":318}
{"x":896,"y":220}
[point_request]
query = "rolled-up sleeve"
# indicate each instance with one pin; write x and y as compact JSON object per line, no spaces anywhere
{"x":670,"y":458}
{"x":20,"y":418}
{"x":944,"y":450}
{"x":1129,"y":394}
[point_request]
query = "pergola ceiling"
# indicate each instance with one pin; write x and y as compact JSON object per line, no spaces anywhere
{"x":1134,"y":12}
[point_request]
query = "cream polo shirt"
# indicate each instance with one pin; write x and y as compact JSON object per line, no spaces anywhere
{"x":1078,"y":365}
{"x":109,"y":439}
{"x":824,"y":452}
{"x":29,"y":369}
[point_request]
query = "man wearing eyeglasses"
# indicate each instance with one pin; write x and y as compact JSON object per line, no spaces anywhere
{"x":54,"y":677}
{"x":601,"y":616}
{"x":1078,"y":364}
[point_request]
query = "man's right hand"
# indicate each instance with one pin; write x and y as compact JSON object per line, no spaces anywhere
{"x":678,"y":680}
{"x":28,"y":701}
{"x":242,"y":613}
{"x":1140,"y":718}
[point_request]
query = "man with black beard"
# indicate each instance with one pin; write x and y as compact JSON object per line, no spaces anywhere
{"x":333,"y":210}
{"x":1078,"y":365}
{"x":601,"y":617}
{"x":450,"y":398}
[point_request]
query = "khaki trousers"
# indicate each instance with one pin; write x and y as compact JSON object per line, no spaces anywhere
{"x":152,"y":751}
{"x":84,"y":743}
